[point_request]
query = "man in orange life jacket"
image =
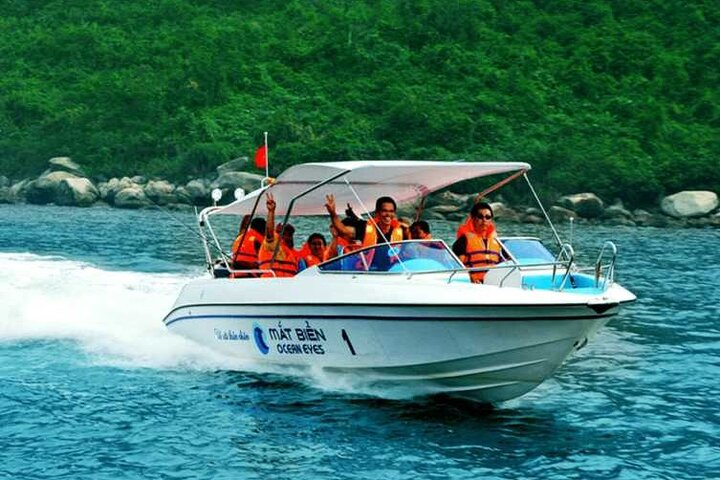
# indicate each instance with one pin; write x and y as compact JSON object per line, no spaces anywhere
{"x":247,"y":244}
{"x":382,"y":228}
{"x":286,"y":262}
{"x":477,"y":244}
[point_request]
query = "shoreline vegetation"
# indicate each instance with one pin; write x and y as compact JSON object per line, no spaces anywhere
{"x":65,"y":183}
{"x":619,"y":98}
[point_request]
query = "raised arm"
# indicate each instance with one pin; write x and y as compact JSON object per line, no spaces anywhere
{"x":342,"y":229}
{"x":270,"y":221}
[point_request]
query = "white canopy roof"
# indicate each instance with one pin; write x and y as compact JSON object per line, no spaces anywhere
{"x":403,"y":180}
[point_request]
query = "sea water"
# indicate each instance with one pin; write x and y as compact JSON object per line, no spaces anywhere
{"x":92,"y":385}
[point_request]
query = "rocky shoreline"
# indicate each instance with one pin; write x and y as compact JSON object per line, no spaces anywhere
{"x":65,"y":183}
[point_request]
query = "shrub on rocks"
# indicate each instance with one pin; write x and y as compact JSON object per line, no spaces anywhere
{"x":689,"y":204}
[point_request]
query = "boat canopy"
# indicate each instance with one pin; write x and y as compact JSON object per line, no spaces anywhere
{"x":403,"y":180}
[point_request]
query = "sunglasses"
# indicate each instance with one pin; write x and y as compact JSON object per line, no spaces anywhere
{"x":486,"y":217}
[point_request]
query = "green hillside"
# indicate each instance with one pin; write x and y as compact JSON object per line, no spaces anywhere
{"x":617,"y":97}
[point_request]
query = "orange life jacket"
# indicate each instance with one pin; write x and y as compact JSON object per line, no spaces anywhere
{"x":287,"y":267}
{"x":371,"y":232}
{"x":311,"y":260}
{"x":480,"y":252}
{"x":245,"y":255}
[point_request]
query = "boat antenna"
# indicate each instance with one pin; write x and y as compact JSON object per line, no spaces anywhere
{"x":537,"y":200}
{"x":572,"y":224}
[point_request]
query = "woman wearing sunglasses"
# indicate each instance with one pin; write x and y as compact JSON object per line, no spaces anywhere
{"x":477,"y":244}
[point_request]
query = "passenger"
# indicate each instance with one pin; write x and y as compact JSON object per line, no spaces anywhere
{"x":247,"y":245}
{"x":382,"y":228}
{"x":477,"y":245}
{"x":341,"y":243}
{"x":315,"y":251}
{"x":420,"y":230}
{"x":286,"y":261}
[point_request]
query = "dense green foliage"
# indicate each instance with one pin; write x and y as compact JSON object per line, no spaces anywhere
{"x":619,"y":97}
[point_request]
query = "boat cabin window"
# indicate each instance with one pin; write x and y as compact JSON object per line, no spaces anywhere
{"x":397,"y":257}
{"x":527,"y":251}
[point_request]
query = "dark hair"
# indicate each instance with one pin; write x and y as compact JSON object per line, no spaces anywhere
{"x":422,"y":225}
{"x":286,"y":228}
{"x":381,"y":200}
{"x":475,"y":211}
{"x":258,"y":224}
{"x":349,"y":221}
{"x":315,"y":236}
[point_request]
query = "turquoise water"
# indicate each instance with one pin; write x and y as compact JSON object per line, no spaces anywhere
{"x":93,"y":386}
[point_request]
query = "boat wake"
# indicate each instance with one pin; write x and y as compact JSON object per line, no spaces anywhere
{"x":115,"y":319}
{"x":113,"y":316}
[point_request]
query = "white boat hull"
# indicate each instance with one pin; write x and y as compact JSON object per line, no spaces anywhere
{"x":459,"y":344}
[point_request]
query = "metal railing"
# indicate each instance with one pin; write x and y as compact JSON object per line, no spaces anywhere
{"x":609,"y":276}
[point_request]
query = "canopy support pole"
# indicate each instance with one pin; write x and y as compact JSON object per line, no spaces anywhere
{"x":547,"y":217}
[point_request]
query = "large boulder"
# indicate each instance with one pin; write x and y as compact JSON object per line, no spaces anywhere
{"x":45,"y":188}
{"x":586,"y":205}
{"x":689,"y":204}
{"x":236,"y":165}
{"x":199,"y":192}
{"x":160,"y":192}
{"x":463,"y":202}
{"x":617,"y":211}
{"x":65,"y":164}
{"x":17,"y":190}
{"x":4,"y":181}
{"x":560,"y":214}
{"x":131,"y":197}
{"x":112,"y":187}
{"x":6,"y":195}
{"x":229,"y":181}
{"x":504,"y":213}
{"x":79,"y":192}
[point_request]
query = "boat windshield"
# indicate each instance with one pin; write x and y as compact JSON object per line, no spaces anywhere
{"x":526,"y":251}
{"x":397,"y":257}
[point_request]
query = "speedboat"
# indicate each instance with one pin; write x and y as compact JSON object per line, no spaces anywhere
{"x":414,"y":321}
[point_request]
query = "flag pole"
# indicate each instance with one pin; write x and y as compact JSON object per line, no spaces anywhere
{"x":267,"y":158}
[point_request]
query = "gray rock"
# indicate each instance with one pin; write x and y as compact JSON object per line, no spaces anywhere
{"x":6,"y":195}
{"x":429,"y":215}
{"x":18,"y":190}
{"x":229,"y":181}
{"x":534,"y":219}
{"x":464,"y":202}
{"x":79,"y":192}
{"x":620,"y":221}
{"x":236,"y":165}
{"x":504,"y":213}
{"x":533,"y":211}
{"x":617,"y":211}
{"x":647,"y":219}
{"x":160,"y":192}
{"x":445,"y":209}
{"x":131,"y":197}
{"x":113,"y":187}
{"x":199,"y":192}
{"x":45,"y":188}
{"x":586,"y":205}
{"x":4,"y":181}
{"x":689,"y":204}
{"x":560,"y":214}
{"x":139,"y":179}
{"x":182,"y":196}
{"x":65,"y":164}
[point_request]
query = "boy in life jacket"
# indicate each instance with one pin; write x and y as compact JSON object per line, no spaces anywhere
{"x":477,"y":244}
{"x":313,"y":252}
{"x":286,"y":261}
{"x":420,"y":230}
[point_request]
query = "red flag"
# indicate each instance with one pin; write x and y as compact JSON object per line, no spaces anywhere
{"x":261,"y":157}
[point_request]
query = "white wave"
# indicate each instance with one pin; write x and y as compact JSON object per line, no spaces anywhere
{"x":114,"y":316}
